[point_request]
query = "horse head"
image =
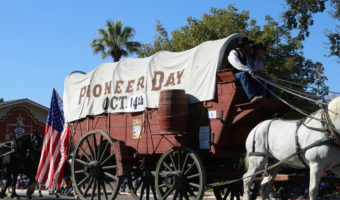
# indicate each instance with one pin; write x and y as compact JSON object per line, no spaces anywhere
{"x":23,"y":146}
{"x":36,"y":141}
{"x":28,"y":144}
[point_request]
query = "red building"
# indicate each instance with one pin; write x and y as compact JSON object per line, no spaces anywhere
{"x":21,"y":116}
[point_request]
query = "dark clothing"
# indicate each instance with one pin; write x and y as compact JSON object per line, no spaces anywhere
{"x":253,"y":88}
{"x":250,"y":86}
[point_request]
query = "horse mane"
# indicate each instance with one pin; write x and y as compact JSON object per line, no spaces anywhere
{"x":334,"y":109}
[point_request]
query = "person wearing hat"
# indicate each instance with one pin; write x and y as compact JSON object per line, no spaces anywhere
{"x":257,"y":64}
{"x":256,"y":58}
{"x":242,"y":69}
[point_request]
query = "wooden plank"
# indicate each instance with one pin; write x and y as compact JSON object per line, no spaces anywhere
{"x":296,"y":178}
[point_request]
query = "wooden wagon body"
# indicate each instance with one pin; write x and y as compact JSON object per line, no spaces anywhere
{"x":176,"y":165}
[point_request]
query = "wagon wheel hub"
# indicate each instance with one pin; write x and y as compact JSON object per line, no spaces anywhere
{"x":175,"y":181}
{"x":93,"y":169}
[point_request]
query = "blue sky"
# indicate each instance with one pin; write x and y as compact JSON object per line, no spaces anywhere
{"x":41,"y":41}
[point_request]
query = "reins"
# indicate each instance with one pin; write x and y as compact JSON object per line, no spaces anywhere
{"x":332,"y":135}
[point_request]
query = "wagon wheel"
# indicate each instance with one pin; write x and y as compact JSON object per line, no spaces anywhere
{"x":180,"y":174}
{"x":233,"y":190}
{"x":94,"y":167}
{"x":143,"y":184}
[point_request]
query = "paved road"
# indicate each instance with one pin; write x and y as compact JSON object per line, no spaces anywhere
{"x":46,"y":196}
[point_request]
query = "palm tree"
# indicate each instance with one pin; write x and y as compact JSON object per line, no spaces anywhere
{"x":114,"y":41}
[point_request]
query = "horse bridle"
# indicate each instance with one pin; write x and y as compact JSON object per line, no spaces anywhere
{"x":328,"y":127}
{"x":34,"y":139}
{"x":331,"y":128}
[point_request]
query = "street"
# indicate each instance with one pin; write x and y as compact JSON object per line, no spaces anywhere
{"x":46,"y":196}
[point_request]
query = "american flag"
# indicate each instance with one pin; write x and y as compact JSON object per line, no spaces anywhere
{"x":55,"y":146}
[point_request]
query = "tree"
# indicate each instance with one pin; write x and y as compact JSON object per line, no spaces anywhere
{"x":1,"y":100}
{"x":299,"y":15}
{"x":284,"y":58}
{"x":115,"y":41}
{"x":161,"y":42}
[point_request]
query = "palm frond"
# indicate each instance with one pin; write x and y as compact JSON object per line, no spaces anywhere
{"x":132,"y":46}
{"x":114,"y":40}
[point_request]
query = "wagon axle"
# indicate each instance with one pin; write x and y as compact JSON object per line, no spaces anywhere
{"x":93,"y":169}
{"x":175,"y":181}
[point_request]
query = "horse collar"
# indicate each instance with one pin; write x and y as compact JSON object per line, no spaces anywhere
{"x":332,"y":131}
{"x":299,"y":150}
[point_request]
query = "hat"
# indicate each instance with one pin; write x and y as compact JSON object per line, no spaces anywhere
{"x":259,"y":46}
{"x":244,"y":41}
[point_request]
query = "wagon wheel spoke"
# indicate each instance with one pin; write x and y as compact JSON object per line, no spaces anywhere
{"x":103,"y":152}
{"x":110,"y":185}
{"x":175,"y":196}
{"x":185,"y":162}
{"x":187,"y":181}
{"x":145,"y":186}
{"x":109,"y":167}
{"x":90,"y":149}
{"x":83,"y":181}
{"x":107,"y":159}
{"x":81,"y":161}
{"x":104,"y":189}
{"x":95,"y":147}
{"x":191,"y":193}
{"x":88,"y":186}
{"x":99,"y":148}
{"x":223,"y":192}
{"x":172,"y":161}
{"x":168,"y":167}
{"x":111,"y":176}
{"x":186,"y":196}
{"x":93,"y":190}
{"x":85,"y":154}
{"x":193,"y":176}
{"x":167,"y":193}
{"x":92,"y":178}
{"x":189,"y":168}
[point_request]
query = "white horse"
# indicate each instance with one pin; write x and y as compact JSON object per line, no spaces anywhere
{"x":278,"y":140}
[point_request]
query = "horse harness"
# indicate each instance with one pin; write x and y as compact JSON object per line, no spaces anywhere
{"x":12,"y":147}
{"x":330,"y":132}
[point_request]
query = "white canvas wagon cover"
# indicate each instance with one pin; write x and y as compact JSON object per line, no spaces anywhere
{"x":133,"y":84}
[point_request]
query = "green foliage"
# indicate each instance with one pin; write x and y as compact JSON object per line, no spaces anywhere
{"x":284,"y":58}
{"x":161,"y":42}
{"x":1,"y":100}
{"x":299,"y":15}
{"x":114,"y":41}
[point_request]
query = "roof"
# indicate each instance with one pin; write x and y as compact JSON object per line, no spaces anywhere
{"x":20,"y":101}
